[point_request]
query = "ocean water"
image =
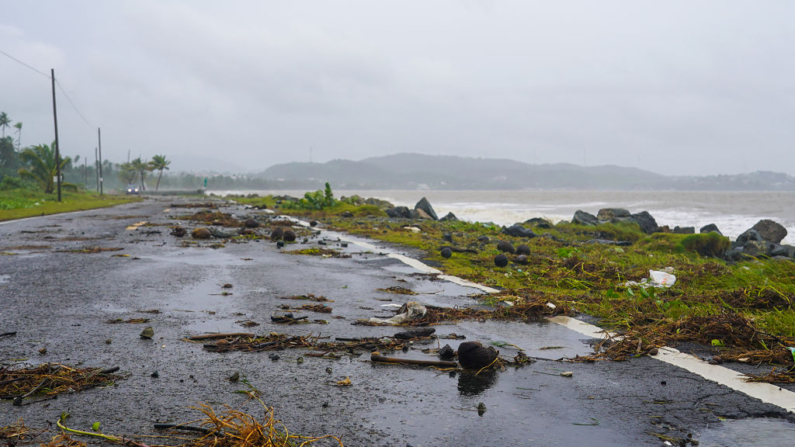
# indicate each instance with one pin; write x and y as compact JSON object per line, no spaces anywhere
{"x":732,"y":212}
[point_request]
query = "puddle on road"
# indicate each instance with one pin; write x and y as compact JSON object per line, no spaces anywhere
{"x":532,"y":337}
{"x":758,"y":432}
{"x":220,"y":325}
{"x":109,"y":307}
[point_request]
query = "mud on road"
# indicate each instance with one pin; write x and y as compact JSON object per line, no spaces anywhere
{"x":63,"y":278}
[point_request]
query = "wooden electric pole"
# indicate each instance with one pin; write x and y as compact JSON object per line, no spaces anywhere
{"x":57,"y":146}
{"x":96,"y":167}
{"x":99,"y":148}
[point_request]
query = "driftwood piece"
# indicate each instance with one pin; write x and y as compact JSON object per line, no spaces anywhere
{"x":217,"y":336}
{"x":375,"y":357}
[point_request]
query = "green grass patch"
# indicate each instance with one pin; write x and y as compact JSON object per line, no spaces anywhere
{"x":20,"y":203}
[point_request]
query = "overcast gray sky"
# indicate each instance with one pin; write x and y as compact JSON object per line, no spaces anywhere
{"x":675,"y":87}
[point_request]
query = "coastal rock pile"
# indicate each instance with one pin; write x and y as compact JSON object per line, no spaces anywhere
{"x":644,"y":220}
{"x":761,"y":240}
{"x":422,"y":210}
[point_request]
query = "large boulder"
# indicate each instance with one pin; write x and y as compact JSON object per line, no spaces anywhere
{"x":770,"y":231}
{"x":684,"y":230}
{"x":583,"y":218}
{"x":473,"y":355}
{"x":610,"y":214}
{"x":449,"y":217}
{"x":783,"y":250}
{"x":399,"y":212}
{"x":538,"y":222}
{"x":710,"y":228}
{"x":645,"y":221}
{"x":425,"y":205}
{"x":517,"y":230}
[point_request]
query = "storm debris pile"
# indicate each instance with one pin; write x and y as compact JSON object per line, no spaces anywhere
{"x":233,"y":428}
{"x":51,"y":379}
{"x":520,"y":311}
{"x":129,"y":321}
{"x":321,"y":308}
{"x":398,"y":290}
{"x":278,"y":342}
{"x":323,"y":252}
{"x":309,"y":297}
{"x":736,"y":336}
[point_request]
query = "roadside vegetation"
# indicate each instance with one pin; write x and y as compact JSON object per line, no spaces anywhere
{"x":21,"y":203}
{"x":743,"y":311}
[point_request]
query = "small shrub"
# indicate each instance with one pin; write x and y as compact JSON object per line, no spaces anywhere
{"x":709,"y":244}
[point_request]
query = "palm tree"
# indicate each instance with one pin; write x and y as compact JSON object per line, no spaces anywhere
{"x":5,"y":122}
{"x":159,"y":163}
{"x":18,"y":126}
{"x":126,"y":171}
{"x":41,"y":167}
{"x":141,"y":168}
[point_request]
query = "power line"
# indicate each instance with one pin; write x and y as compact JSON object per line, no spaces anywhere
{"x":83,"y":117}
{"x":24,"y":64}
{"x":85,"y":120}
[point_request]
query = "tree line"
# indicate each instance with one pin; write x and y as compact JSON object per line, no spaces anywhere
{"x":35,"y":166}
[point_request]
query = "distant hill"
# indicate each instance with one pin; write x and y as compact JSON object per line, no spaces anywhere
{"x":418,"y":171}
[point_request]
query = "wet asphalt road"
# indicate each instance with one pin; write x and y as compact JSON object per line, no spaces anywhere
{"x":60,"y":301}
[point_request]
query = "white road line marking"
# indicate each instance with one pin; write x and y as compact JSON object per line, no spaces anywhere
{"x":765,"y":392}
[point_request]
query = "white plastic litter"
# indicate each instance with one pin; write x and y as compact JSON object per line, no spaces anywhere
{"x":409,"y":311}
{"x":661,"y":279}
{"x":656,"y":279}
{"x":392,"y":306}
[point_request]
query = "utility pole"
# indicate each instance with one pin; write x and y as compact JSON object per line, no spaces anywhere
{"x":99,"y":148}
{"x":57,"y":148}
{"x":96,"y":167}
{"x":85,"y":171}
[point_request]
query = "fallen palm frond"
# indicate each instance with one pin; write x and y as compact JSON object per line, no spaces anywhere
{"x":51,"y":379}
{"x":774,"y":376}
{"x":233,"y":428}
{"x":64,"y":440}
{"x":94,"y":250}
{"x":129,"y":321}
{"x":18,"y":433}
{"x":271,"y":342}
{"x":309,"y":297}
{"x":322,"y":308}
{"x":398,"y":290}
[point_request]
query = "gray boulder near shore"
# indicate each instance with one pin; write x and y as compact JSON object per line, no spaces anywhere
{"x":583,"y":218}
{"x":425,"y":206}
{"x":710,"y":228}
{"x":770,"y":231}
{"x":762,"y":240}
{"x":611,"y":214}
{"x":644,"y":219}
{"x":517,"y":230}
